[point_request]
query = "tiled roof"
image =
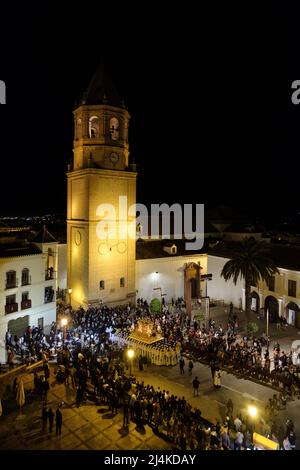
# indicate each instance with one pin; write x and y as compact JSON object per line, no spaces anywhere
{"x":155,"y":249}
{"x":43,"y":236}
{"x":10,"y":250}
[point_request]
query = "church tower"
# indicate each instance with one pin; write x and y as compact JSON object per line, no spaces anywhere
{"x":100,"y":268}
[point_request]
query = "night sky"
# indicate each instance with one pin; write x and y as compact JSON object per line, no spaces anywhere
{"x":208,"y":92}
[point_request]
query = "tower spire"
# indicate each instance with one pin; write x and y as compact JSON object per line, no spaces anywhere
{"x":101,"y":89}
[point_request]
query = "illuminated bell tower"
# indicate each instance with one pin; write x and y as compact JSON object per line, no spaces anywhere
{"x":100,"y":269}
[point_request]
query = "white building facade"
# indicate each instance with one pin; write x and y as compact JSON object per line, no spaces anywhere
{"x":27,"y":285}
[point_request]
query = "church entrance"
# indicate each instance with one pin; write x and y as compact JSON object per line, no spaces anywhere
{"x":191,"y":285}
{"x":194,"y":289}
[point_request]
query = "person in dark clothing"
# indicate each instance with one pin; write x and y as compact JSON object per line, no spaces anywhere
{"x":196,"y":384}
{"x":292,"y":439}
{"x":181,"y":366}
{"x":191,"y":366}
{"x":149,"y":412}
{"x":45,"y":388}
{"x":182,"y":442}
{"x":114,"y":403}
{"x":126,"y":413}
{"x":44,"y":418}
{"x":138,"y":412}
{"x":58,"y":421}
{"x":51,"y":419}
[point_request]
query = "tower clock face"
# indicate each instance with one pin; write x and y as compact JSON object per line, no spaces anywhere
{"x":114,"y":158}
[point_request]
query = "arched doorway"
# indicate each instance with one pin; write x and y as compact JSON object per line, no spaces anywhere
{"x":271,"y":304}
{"x":292,"y":312}
{"x":255,"y":302}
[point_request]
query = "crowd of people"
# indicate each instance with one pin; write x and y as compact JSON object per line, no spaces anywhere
{"x":245,"y":356}
{"x":90,"y":355}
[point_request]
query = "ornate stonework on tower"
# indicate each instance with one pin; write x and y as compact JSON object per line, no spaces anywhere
{"x":100,"y":270}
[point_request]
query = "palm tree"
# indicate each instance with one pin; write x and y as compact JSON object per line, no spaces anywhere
{"x":251,"y":262}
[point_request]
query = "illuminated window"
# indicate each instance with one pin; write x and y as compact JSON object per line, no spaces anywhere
{"x":114,"y":128}
{"x":94,"y":127}
{"x":122,"y":281}
{"x":102,"y":285}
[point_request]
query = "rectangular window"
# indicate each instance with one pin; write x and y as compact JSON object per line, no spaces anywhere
{"x":10,"y":299}
{"x":272,"y":284}
{"x":122,"y":281}
{"x":102,"y":285}
{"x":11,"y":280}
{"x":292,"y":288}
{"x":49,"y":294}
{"x":25,"y":277}
{"x":25,"y":296}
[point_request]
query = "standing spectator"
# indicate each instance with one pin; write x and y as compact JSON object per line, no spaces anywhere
{"x":191,"y":366}
{"x":45,"y":389}
{"x":58,"y":421}
{"x":238,"y":423}
{"x":217,"y":378}
{"x":292,"y":440}
{"x":225,"y":439}
{"x":181,"y":365}
{"x":126,"y":413}
{"x":229,"y":407}
{"x":196,"y":384}
{"x":239,"y":438}
{"x":51,"y":419}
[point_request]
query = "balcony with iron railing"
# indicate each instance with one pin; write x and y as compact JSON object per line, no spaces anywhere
{"x":11,"y":308}
{"x":25,"y":304}
{"x":49,"y":275}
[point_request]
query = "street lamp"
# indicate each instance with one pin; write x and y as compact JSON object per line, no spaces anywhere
{"x":130,"y":355}
{"x":70,"y":293}
{"x":252,"y":410}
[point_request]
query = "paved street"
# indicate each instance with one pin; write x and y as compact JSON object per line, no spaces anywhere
{"x":89,"y":428}
{"x":212,"y":402}
{"x":84,"y":428}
